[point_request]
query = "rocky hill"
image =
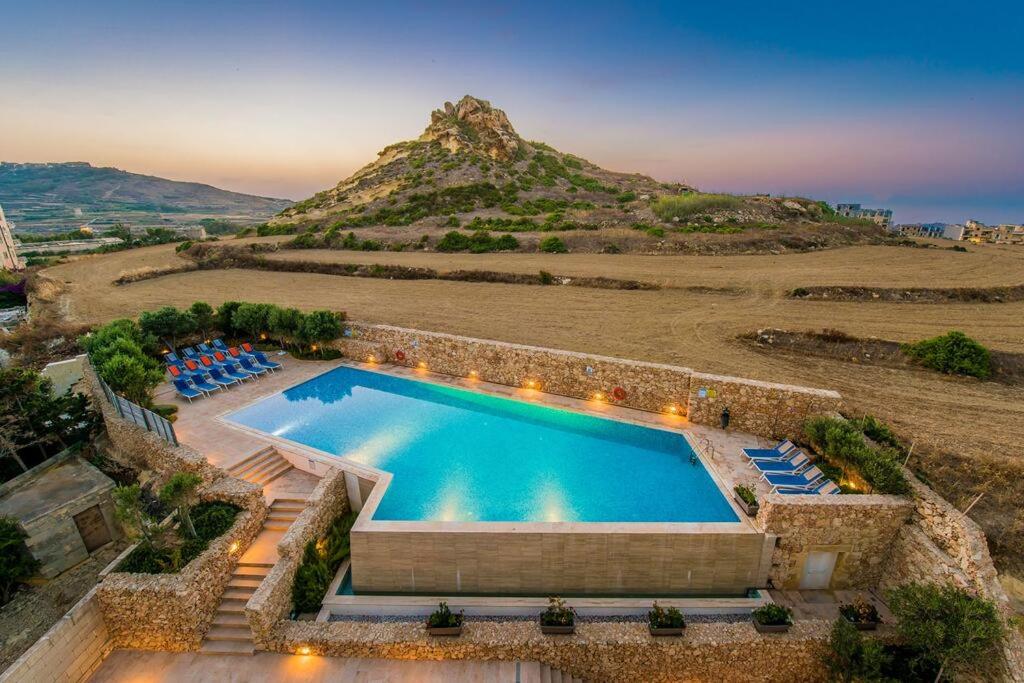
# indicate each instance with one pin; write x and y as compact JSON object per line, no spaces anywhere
{"x":66,"y":195}
{"x":471,"y":169}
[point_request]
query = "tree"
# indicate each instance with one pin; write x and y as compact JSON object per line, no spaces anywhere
{"x":16,"y":562}
{"x":851,"y":657}
{"x":132,"y":377}
{"x":947,"y":625}
{"x":321,"y":326}
{"x":181,"y":492}
{"x":285,"y":323}
{"x":130,"y":511}
{"x":252,"y":319}
{"x":953,"y":353}
{"x":225,"y":315}
{"x":168,"y":323}
{"x":202,"y":313}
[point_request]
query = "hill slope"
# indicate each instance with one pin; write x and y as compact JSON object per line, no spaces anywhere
{"x":66,"y":195}
{"x":471,"y":168}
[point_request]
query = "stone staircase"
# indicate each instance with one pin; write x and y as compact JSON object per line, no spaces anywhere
{"x":229,"y":633}
{"x":262,"y":467}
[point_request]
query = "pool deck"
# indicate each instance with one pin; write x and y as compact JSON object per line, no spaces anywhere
{"x":200,"y":424}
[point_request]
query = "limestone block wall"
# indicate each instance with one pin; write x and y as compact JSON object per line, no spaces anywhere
{"x":775,"y":411}
{"x":70,"y":651}
{"x":173,"y":611}
{"x":611,"y":652}
{"x":770,"y":410}
{"x":861,"y":529}
{"x":54,"y":538}
{"x":270,"y":605}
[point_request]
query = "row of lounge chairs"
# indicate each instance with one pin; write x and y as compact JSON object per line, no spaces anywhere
{"x":200,"y":371}
{"x":789,"y":470}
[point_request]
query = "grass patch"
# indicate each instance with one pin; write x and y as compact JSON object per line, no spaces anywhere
{"x":685,"y":205}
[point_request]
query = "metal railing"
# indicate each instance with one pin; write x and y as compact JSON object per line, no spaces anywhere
{"x":144,"y":418}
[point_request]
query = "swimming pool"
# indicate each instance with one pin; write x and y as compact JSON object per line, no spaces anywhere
{"x":460,"y":455}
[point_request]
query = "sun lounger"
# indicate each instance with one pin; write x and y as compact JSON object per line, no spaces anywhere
{"x":248,"y":366}
{"x":795,"y":464}
{"x":171,"y":357}
{"x":265,"y":362}
{"x":235,"y":372}
{"x":247,"y":348}
{"x":203,"y":383}
{"x":220,"y":345}
{"x":190,"y":353}
{"x":204,"y":348}
{"x":803,"y":480}
{"x":220,"y":378}
{"x":186,"y":390}
{"x":776,"y":452}
{"x":825,"y":488}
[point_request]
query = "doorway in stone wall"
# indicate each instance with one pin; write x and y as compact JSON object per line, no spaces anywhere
{"x":818,"y":568}
{"x":92,"y":528}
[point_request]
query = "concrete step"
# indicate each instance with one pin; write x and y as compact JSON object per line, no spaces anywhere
{"x":529,"y":672}
{"x":275,"y":516}
{"x":230,"y":619}
{"x":227,"y":647}
{"x":241,"y":572}
{"x":545,"y":673}
{"x":240,"y":468}
{"x":231,"y":607}
{"x":246,"y":583}
{"x":238,"y":634}
{"x":294,"y":507}
{"x":270,"y":472}
{"x":256,"y":565}
{"x":238,"y":594}
{"x":556,"y":676}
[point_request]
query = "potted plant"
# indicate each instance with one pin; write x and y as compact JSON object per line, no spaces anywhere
{"x":746,"y":499}
{"x":444,"y":622}
{"x":772,"y":618}
{"x":861,"y":614}
{"x":558,"y":618}
{"x":665,"y":622}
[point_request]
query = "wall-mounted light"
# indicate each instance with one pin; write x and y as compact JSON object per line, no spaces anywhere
{"x":303,"y":650}
{"x":473,"y":374}
{"x":599,"y":396}
{"x":233,"y":548}
{"x":422,"y":365}
{"x":371,"y":359}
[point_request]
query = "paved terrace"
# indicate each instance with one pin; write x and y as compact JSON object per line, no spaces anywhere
{"x":199,"y":425}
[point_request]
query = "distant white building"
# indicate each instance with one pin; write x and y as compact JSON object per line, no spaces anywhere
{"x":9,"y":259}
{"x":881,"y":216}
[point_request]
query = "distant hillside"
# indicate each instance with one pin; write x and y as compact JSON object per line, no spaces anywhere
{"x":67,"y":195}
{"x":471,"y":169}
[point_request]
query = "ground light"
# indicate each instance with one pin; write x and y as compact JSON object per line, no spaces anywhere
{"x":303,"y":650}
{"x":233,"y":548}
{"x":473,"y":374}
{"x":371,"y":359}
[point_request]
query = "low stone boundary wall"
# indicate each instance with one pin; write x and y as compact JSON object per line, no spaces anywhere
{"x":173,"y":611}
{"x":860,"y":528}
{"x":70,"y":651}
{"x":610,"y":652}
{"x":269,"y":606}
{"x":770,"y":410}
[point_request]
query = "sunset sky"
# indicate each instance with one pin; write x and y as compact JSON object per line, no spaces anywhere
{"x":909,"y":105}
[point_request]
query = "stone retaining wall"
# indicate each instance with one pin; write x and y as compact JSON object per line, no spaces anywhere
{"x":770,"y":410}
{"x":270,"y":605}
{"x":860,"y":528}
{"x":70,"y":651}
{"x":173,"y":611}
{"x":610,"y":652}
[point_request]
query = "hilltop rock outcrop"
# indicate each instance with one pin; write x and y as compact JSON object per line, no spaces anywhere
{"x":474,"y":124}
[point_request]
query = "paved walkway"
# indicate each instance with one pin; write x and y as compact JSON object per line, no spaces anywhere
{"x":138,"y":666}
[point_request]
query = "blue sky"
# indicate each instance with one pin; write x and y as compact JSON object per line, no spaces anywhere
{"x":918,"y":106}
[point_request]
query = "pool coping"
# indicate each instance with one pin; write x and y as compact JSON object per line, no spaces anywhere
{"x":382,"y":478}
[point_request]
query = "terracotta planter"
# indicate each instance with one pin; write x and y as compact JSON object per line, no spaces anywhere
{"x":666,"y":630}
{"x":771,"y":628}
{"x":444,"y":630}
{"x":750,"y":508}
{"x":558,"y":630}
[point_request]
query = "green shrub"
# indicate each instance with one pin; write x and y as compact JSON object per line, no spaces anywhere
{"x":692,"y":203}
{"x":953,"y":353}
{"x":626,"y":196}
{"x":660,"y":617}
{"x":773,"y":614}
{"x":841,"y":441}
{"x":320,"y":561}
{"x":16,"y":562}
{"x":852,"y":657}
{"x":443,"y":617}
{"x":552,"y":245}
{"x":320,"y":327}
{"x":546,"y":278}
{"x":478,"y":243}
{"x":656,"y":232}
{"x":947,"y":626}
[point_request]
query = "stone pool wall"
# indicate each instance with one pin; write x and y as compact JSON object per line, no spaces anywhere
{"x":770,"y":410}
{"x":862,"y":529}
{"x":173,"y":611}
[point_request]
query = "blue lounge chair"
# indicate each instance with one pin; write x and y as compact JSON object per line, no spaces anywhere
{"x":248,"y":366}
{"x":186,"y":390}
{"x":172,"y":358}
{"x":803,"y":480}
{"x":220,"y":378}
{"x":204,"y":348}
{"x":220,"y":345}
{"x":795,"y":464}
{"x":785,"y":458}
{"x":190,"y":353}
{"x":265,"y":362}
{"x":235,"y":372}
{"x":827,"y":487}
{"x":776,"y":452}
{"x":203,"y":383}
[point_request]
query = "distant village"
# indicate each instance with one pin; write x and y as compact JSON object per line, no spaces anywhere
{"x":972,"y":231}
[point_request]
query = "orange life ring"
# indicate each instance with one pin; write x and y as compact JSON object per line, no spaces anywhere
{"x":400,"y":355}
{"x":619,"y":393}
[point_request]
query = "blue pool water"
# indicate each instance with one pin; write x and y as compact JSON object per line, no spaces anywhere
{"x":459,"y":455}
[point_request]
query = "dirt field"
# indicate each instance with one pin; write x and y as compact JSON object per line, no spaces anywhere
{"x":969,"y":434}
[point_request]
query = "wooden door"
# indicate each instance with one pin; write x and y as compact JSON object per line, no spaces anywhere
{"x":92,"y":527}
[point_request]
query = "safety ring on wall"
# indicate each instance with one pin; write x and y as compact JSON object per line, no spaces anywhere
{"x":619,"y":393}
{"x":400,"y":355}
